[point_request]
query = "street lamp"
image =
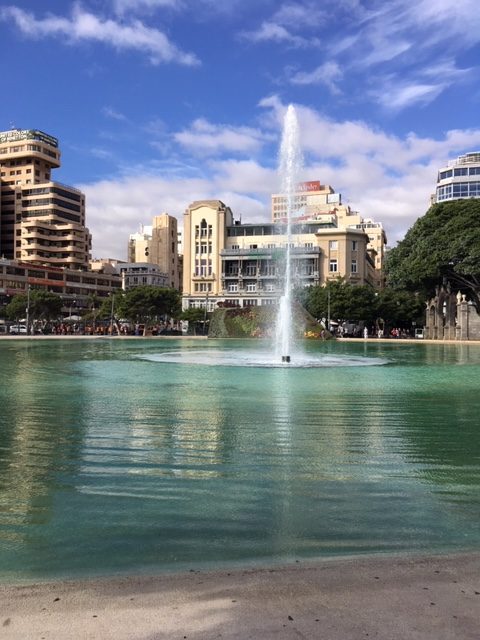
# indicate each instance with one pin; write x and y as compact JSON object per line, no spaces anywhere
{"x":111,"y":314}
{"x":28,"y":310}
{"x":205,"y":315}
{"x":328,"y":310}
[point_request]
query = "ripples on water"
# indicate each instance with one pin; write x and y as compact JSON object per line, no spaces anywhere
{"x":125,"y":456}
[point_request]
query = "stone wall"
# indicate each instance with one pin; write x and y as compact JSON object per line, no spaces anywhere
{"x":451,"y":316}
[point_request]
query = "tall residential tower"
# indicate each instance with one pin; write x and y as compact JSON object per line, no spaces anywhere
{"x":41,"y":221}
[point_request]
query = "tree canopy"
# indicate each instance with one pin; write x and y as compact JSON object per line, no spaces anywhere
{"x":442,"y":246}
{"x":345,"y":301}
{"x":148,"y":303}
{"x":43,"y":305}
{"x":359,"y":303}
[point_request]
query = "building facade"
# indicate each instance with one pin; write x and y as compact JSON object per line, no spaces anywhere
{"x":137,"y":274}
{"x":158,"y":245}
{"x":41,"y":221}
{"x":314,"y":201}
{"x":235,"y":264}
{"x":459,"y":179}
{"x":76,"y":288}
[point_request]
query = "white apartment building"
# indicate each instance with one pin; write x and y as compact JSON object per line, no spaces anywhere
{"x":459,"y":179}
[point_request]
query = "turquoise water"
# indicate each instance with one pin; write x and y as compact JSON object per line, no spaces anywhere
{"x":131,"y":456}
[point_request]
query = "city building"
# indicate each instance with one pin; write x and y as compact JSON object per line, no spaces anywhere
{"x":235,"y":264}
{"x":77,"y":288}
{"x":459,"y":179}
{"x":314,"y":201}
{"x":158,"y":245}
{"x":41,"y":221}
{"x":136,"y":274}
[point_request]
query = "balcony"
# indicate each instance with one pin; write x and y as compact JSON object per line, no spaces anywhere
{"x":197,"y":277}
{"x":269,"y":253}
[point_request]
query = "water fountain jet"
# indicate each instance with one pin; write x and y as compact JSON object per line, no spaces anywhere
{"x":289,"y":168}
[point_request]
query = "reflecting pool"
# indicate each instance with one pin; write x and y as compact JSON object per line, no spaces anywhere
{"x":144,"y":455}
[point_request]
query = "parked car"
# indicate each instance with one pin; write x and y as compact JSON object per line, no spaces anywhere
{"x":17,"y":329}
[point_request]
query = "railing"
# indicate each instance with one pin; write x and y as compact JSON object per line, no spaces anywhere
{"x":268,"y":252}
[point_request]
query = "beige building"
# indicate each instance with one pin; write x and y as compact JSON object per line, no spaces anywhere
{"x":314,"y":201}
{"x":235,"y":264}
{"x":41,"y":221}
{"x":76,"y":288}
{"x":158,"y":245}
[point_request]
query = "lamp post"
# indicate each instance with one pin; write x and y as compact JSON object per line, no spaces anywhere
{"x":111,"y":314}
{"x":205,"y":316}
{"x":328,"y":310}
{"x":28,"y":310}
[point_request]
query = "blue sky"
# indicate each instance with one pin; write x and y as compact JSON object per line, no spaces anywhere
{"x":157,"y":103}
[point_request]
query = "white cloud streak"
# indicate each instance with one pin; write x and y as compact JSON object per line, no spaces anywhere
{"x":83,"y":26}
{"x":328,"y":74}
{"x":286,"y":22}
{"x":205,"y":138}
{"x":136,"y":6}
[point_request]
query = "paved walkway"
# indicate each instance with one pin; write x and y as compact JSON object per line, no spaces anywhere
{"x":401,"y":598}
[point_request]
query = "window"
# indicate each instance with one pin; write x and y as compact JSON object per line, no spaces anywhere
{"x":333,"y":266}
{"x":333,"y":244}
{"x":251,"y":287}
{"x":354,"y":245}
{"x":308,"y":245}
{"x":354,"y":267}
{"x":232,"y":287}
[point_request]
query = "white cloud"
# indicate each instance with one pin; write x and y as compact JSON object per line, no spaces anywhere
{"x":206,"y":138}
{"x":109,"y":112}
{"x":399,"y":96}
{"x":273,"y":32}
{"x":125,"y":6}
{"x":85,"y":26}
{"x":300,"y":14}
{"x":385,"y":177}
{"x":328,"y":74}
{"x":286,"y":22}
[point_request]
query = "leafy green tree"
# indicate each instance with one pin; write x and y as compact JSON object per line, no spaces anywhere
{"x":193,"y":315}
{"x":400,"y":308}
{"x":442,"y":246}
{"x":149,"y":303}
{"x":196,"y":320}
{"x":104,"y":309}
{"x":345,"y":301}
{"x":43,"y":306}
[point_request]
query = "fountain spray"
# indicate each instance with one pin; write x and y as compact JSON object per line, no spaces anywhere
{"x":289,"y":168}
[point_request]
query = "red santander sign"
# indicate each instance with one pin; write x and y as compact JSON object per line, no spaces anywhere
{"x":313,"y":185}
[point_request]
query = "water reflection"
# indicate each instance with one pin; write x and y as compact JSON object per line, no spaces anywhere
{"x":113,"y":462}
